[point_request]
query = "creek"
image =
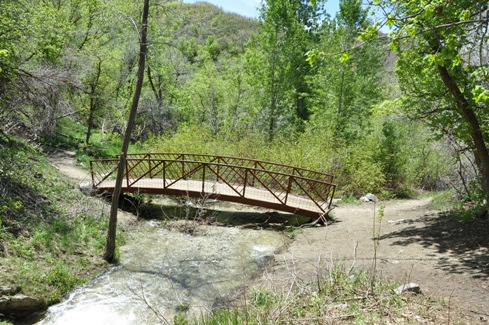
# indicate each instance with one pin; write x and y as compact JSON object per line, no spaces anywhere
{"x":169,"y":268}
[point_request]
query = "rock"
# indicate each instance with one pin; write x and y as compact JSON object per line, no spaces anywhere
{"x":87,"y":188}
{"x":20,"y":305}
{"x":397,"y":222}
{"x":371,"y":197}
{"x":410,"y":287}
{"x":8,"y":291}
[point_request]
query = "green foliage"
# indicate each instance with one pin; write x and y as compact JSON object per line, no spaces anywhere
{"x":441,"y":70}
{"x":348,"y":82}
{"x":221,"y":83}
{"x":70,"y":135}
{"x":62,"y":279}
{"x":469,"y":214}
{"x":359,"y":166}
{"x":277,"y":64}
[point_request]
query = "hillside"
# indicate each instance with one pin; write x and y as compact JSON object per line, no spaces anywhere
{"x":51,"y":235}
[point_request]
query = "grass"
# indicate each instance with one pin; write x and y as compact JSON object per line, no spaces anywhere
{"x":456,"y":209}
{"x":339,"y":296}
{"x":51,"y":235}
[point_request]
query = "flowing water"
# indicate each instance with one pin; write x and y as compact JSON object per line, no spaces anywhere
{"x":189,"y":269}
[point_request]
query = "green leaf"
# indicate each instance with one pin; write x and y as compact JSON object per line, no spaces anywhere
{"x":465,"y":15}
{"x":345,"y":56}
{"x":312,"y":56}
{"x":390,"y":20}
{"x":395,"y":46}
{"x":480,"y":94}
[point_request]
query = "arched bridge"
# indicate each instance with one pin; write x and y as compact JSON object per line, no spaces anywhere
{"x":246,"y":181}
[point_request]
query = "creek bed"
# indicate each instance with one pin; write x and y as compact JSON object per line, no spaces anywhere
{"x":177,"y":267}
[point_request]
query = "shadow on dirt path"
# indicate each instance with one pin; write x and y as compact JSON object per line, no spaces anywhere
{"x":465,"y":243}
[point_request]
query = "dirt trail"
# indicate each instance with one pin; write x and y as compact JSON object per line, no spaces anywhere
{"x":448,"y":259}
{"x":65,"y":162}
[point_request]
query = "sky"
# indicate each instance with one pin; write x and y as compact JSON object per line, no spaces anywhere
{"x":249,"y":8}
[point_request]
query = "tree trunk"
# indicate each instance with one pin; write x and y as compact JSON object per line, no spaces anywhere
{"x":93,"y":101}
{"x":109,"y":254}
{"x":481,"y":153}
{"x":273,"y":93}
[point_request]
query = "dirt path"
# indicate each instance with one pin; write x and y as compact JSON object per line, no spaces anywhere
{"x":65,"y":162}
{"x":448,"y":259}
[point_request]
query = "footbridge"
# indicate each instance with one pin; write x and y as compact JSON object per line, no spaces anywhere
{"x":253,"y":182}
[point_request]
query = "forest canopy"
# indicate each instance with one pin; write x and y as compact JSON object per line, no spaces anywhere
{"x":299,"y":85}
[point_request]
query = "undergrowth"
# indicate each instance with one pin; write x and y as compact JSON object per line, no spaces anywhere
{"x":70,"y":135}
{"x":340,"y":295}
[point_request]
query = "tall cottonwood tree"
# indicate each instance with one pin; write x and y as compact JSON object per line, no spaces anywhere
{"x":348,"y":80}
{"x":109,"y":253}
{"x":443,"y":69}
{"x":277,"y":60}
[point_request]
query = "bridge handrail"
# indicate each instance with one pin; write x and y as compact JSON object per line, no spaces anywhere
{"x":283,"y":182}
{"x":327,"y":177}
{"x":116,"y":161}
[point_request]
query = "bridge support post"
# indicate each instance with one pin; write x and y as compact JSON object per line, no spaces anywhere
{"x":289,"y":187}
{"x":127,"y":173}
{"x":203,"y":178}
{"x":245,"y":181}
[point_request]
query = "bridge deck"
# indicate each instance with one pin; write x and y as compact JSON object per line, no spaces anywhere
{"x":216,"y":190}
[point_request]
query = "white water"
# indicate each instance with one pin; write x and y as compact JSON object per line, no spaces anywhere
{"x":164,"y":272}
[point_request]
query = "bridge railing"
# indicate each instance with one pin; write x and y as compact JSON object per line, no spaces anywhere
{"x":237,"y":173}
{"x":244,"y":162}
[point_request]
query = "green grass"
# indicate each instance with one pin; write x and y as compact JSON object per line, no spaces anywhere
{"x":456,"y":209}
{"x":442,"y":200}
{"x":51,"y":236}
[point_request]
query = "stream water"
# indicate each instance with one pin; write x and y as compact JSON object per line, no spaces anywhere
{"x":189,"y":269}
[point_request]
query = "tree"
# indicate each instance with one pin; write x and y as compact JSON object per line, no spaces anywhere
{"x":348,"y":80}
{"x":109,"y":253}
{"x":277,"y":60}
{"x":33,"y":35}
{"x":443,"y":69}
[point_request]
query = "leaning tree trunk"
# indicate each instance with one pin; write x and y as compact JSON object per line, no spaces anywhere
{"x":481,"y":152}
{"x":111,"y":234}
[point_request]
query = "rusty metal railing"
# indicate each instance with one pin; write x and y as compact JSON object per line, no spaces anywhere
{"x":237,"y":174}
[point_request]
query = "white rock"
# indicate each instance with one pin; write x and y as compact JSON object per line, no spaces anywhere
{"x":410,"y":287}
{"x":372,"y":197}
{"x":86,"y":188}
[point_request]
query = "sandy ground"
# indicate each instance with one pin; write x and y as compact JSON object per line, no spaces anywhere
{"x":448,"y":259}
